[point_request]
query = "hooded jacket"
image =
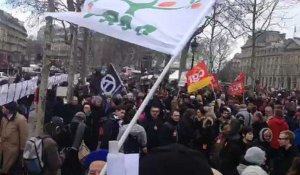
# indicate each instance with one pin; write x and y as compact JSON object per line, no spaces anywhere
{"x":277,"y":124}
{"x":137,"y":131}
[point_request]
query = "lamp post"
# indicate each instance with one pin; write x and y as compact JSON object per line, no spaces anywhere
{"x":194,"y":46}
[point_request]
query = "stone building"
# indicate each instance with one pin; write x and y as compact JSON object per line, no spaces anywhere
{"x":12,"y":41}
{"x":277,"y":61}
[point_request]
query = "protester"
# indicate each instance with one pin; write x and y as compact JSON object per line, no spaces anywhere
{"x":286,"y":154}
{"x":253,"y":156}
{"x":14,"y":134}
{"x":112,"y":126}
{"x":277,"y":124}
{"x":169,"y":131}
{"x":152,"y":123}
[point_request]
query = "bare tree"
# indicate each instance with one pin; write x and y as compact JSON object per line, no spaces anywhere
{"x":45,"y":70}
{"x":251,"y":17}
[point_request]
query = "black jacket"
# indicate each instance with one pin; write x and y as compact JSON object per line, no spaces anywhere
{"x":168,"y":133}
{"x":283,"y":160}
{"x":152,"y":128}
{"x":111,"y":130}
{"x":230,"y":155}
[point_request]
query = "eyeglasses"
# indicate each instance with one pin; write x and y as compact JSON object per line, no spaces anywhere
{"x":282,"y":138}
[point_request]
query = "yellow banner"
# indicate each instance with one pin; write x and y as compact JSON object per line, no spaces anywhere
{"x":199,"y":85}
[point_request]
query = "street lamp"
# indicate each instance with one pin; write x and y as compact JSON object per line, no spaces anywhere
{"x":194,"y":46}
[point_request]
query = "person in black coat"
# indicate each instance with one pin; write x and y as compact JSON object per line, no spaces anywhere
{"x":231,"y":153}
{"x":187,"y":126}
{"x":286,"y":154}
{"x":263,"y":142}
{"x":92,"y":121}
{"x":258,"y":124}
{"x":112,"y":125}
{"x":168,"y":133}
{"x":152,"y":124}
{"x":70,"y":110}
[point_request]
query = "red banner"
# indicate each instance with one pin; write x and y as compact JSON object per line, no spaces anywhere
{"x":198,"y":77}
{"x":215,"y":83}
{"x":238,"y":86}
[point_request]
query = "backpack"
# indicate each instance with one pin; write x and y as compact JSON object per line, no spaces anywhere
{"x":131,"y":145}
{"x":32,"y":155}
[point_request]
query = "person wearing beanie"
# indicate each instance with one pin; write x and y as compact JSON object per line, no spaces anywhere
{"x":254,"y":170}
{"x":14,"y":134}
{"x":253,"y":156}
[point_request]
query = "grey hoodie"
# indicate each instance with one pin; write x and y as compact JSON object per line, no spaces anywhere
{"x":138,"y":131}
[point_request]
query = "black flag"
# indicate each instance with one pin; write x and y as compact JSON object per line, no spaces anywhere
{"x":111,"y":83}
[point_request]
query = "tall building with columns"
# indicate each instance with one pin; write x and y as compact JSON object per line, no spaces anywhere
{"x":277,"y":61}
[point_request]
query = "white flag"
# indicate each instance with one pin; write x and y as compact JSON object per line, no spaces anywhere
{"x":160,"y":25}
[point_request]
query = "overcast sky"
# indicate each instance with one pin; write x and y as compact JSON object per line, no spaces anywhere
{"x":290,"y":21}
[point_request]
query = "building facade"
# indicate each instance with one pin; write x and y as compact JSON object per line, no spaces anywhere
{"x":12,"y":41}
{"x":277,"y":61}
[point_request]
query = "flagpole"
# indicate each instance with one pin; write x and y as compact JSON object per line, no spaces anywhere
{"x":174,"y":54}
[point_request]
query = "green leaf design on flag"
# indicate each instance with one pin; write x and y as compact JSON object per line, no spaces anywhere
{"x":125,"y":21}
{"x":88,"y":15}
{"x":145,"y":30}
{"x":110,"y":16}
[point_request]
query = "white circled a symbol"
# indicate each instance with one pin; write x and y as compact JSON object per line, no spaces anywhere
{"x":108,"y":84}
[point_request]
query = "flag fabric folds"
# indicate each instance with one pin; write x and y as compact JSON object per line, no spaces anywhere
{"x":198,"y":77}
{"x":238,"y":86}
{"x":160,"y":25}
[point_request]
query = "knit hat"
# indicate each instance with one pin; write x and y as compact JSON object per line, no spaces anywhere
{"x":262,"y":132}
{"x":99,"y":155}
{"x":79,"y":116}
{"x":254,"y":170}
{"x":255,"y":155}
{"x":174,"y":159}
{"x":12,"y":106}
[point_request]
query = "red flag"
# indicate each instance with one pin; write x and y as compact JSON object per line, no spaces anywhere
{"x":215,"y":82}
{"x":238,"y":86}
{"x":198,"y":77}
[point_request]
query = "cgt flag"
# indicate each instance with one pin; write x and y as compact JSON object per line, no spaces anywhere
{"x":198,"y":77}
{"x":111,"y":83}
{"x":160,"y":25}
{"x":238,"y":86}
{"x":215,"y":82}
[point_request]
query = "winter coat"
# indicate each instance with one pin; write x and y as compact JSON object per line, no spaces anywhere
{"x":257,"y":126}
{"x":93,"y":122}
{"x":277,"y":124}
{"x":152,"y":128}
{"x":284,"y":160}
{"x":136,"y":131}
{"x":111,"y":130}
{"x":14,"y":134}
{"x":230,"y":155}
{"x":168,"y":133}
{"x":187,"y":134}
{"x":71,"y":164}
{"x":243,"y":165}
{"x":53,"y":161}
{"x":69,"y":112}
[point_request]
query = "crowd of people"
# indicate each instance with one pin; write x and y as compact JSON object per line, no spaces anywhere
{"x":175,"y":134}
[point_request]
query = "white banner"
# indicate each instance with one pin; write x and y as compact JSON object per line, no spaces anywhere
{"x":156,"y":24}
{"x":13,"y":92}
